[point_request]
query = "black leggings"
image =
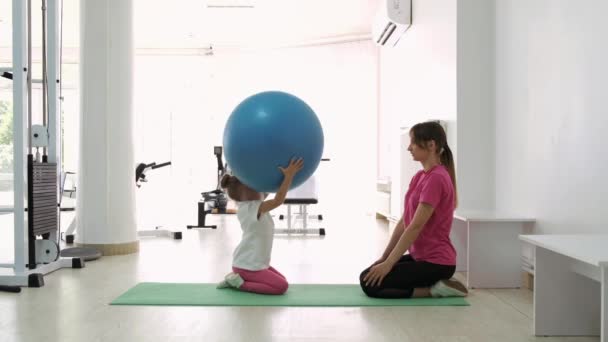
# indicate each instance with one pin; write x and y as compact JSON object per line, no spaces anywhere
{"x":406,"y":275}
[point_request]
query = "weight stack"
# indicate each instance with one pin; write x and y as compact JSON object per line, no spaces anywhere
{"x":42,"y":203}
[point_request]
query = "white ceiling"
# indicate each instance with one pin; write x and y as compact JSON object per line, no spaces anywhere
{"x":191,"y":24}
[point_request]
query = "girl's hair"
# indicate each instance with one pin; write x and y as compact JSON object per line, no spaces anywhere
{"x":233,"y":185}
{"x":423,"y":133}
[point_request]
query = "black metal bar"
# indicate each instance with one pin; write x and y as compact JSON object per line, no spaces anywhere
{"x":202,"y":213}
{"x":161,"y":165}
{"x":31,"y":250}
{"x":7,"y":288}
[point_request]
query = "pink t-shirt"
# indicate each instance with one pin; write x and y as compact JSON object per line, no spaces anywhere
{"x":433,"y":187}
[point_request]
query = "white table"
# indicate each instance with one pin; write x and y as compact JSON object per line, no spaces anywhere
{"x":570,"y":285}
{"x":488,"y":248}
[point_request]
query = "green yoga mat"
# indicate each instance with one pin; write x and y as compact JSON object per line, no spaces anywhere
{"x":297,"y":295}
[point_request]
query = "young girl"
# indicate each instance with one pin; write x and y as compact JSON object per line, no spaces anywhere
{"x":424,"y":229}
{"x":251,"y":270}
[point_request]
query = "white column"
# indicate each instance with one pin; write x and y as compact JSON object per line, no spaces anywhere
{"x":20,"y":105}
{"x":53,"y":67}
{"x":105,"y":211}
{"x":53,"y":79}
{"x":604,"y":317}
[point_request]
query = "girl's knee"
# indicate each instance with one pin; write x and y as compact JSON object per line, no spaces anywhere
{"x":282,"y":287}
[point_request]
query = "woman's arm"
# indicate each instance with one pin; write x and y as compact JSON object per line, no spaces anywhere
{"x":421,"y":216}
{"x":397,"y":232}
{"x":377,"y":273}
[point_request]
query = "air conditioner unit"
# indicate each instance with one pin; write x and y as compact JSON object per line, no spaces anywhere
{"x":392,"y":20}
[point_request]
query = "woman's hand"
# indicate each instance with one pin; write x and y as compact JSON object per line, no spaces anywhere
{"x":294,"y":166}
{"x":379,"y":261}
{"x":376,"y":274}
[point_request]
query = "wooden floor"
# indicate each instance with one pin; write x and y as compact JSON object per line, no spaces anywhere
{"x":73,"y":306}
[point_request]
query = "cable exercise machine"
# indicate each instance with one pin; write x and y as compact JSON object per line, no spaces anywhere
{"x":37,"y":153}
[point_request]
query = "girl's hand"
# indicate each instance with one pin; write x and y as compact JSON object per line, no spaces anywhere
{"x":293,"y":167}
{"x":376,"y":274}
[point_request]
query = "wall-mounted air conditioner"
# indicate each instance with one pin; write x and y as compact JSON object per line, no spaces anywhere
{"x":394,"y":17}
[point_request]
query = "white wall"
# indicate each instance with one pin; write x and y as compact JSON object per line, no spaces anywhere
{"x":475,"y":98}
{"x":551,"y":112}
{"x":417,"y":77}
{"x":182,"y":104}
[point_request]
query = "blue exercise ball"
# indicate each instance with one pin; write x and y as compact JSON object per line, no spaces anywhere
{"x":264,"y":132}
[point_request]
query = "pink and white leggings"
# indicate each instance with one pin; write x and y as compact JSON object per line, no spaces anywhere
{"x":268,"y":281}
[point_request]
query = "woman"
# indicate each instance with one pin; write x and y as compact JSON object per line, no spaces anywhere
{"x":424,"y":228}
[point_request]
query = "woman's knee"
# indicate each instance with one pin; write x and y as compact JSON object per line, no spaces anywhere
{"x":368,"y":290}
{"x":362,"y":275}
